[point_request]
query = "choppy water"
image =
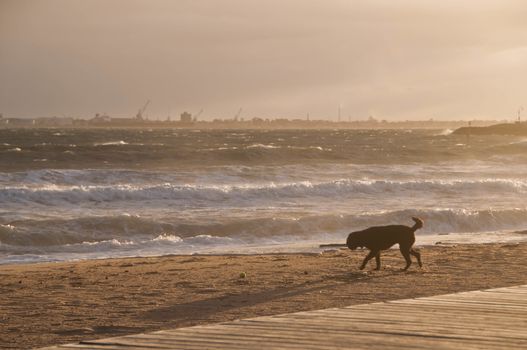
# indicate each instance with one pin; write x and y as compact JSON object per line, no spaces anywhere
{"x":74,"y":194}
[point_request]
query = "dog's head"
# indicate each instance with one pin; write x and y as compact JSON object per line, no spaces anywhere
{"x":353,"y":241}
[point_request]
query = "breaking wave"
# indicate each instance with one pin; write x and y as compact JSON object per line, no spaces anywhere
{"x":55,"y":194}
{"x":38,"y":234}
{"x":111,"y":143}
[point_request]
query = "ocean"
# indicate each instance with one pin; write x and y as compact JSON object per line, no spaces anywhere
{"x":69,"y":194}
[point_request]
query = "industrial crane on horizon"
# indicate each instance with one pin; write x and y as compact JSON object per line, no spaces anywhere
{"x":139,"y":115}
{"x":238,"y":114}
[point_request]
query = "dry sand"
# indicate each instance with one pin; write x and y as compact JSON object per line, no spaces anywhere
{"x":53,"y":303}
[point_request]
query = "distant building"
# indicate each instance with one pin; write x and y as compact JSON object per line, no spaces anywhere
{"x":101,"y":118}
{"x":18,"y":122}
{"x":186,"y":117}
{"x":54,"y":121}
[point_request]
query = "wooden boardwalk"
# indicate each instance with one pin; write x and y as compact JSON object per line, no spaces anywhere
{"x":489,"y":319}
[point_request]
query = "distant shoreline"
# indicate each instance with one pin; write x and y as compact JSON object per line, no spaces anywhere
{"x":228,"y":124}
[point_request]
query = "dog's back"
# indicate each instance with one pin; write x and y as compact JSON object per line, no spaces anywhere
{"x":383,"y":237}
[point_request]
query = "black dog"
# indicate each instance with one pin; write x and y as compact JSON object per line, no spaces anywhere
{"x":383,"y":237}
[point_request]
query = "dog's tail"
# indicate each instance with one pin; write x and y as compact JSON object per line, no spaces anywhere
{"x":418,"y":224}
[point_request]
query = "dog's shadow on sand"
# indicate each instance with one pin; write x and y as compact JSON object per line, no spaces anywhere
{"x":373,"y":274}
{"x":348,"y":277}
{"x":206,"y":308}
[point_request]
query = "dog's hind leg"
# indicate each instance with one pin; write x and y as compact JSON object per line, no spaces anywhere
{"x":368,"y":257}
{"x":417,"y":256}
{"x":378,"y":260}
{"x":405,"y":251}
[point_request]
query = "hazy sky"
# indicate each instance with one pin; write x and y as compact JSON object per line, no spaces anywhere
{"x":391,"y":59}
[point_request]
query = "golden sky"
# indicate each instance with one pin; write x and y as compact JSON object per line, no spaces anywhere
{"x":404,"y":59}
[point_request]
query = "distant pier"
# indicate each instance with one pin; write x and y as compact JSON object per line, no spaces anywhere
{"x":514,"y":129}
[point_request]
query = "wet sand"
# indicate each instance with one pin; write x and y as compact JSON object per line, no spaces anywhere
{"x":54,"y":303}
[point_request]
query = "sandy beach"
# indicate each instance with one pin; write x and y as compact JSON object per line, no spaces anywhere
{"x":53,"y":303}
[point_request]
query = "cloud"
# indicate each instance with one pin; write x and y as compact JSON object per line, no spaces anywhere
{"x":404,"y":59}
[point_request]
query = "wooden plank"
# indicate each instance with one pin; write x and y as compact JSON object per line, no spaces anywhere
{"x":490,"y":319}
{"x":440,"y":321}
{"x":439,"y":307}
{"x":347,"y":323}
{"x":157,"y":343}
{"x":488,"y":297}
{"x":85,"y":346}
{"x":368,"y":327}
{"x":292,"y":336}
{"x":293,"y":339}
{"x":467,"y":304}
{"x":438,"y":332}
{"x":206,"y":338}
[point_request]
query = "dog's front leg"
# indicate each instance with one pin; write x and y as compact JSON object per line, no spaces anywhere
{"x":368,"y":258}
